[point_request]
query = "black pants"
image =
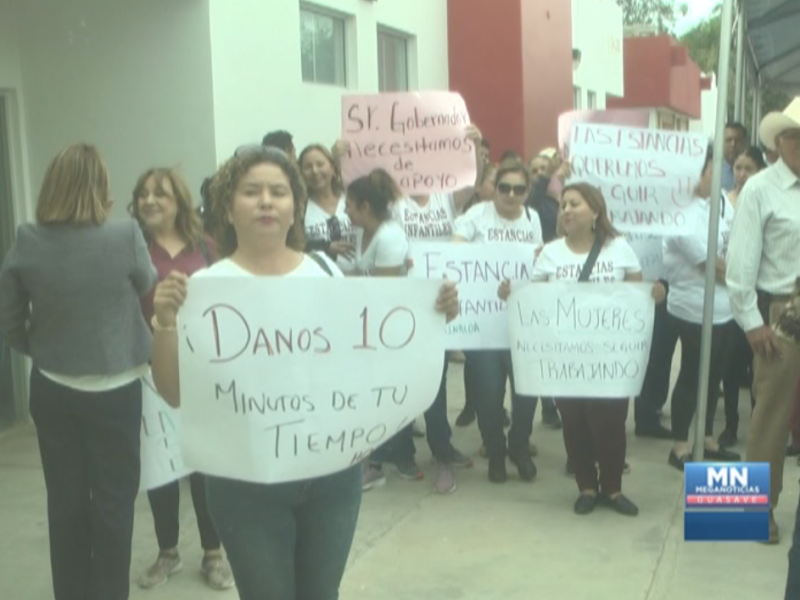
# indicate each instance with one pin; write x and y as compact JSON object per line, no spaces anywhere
{"x":684,"y":396}
{"x":656,"y":380}
{"x":739,"y":373}
{"x":491,"y":369}
{"x":165,"y":504}
{"x":401,"y":447}
{"x":89,"y":443}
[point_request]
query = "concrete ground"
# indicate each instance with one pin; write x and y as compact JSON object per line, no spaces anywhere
{"x":485,"y":542}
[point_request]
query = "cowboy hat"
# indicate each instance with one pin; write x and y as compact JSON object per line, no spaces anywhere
{"x":776,"y":123}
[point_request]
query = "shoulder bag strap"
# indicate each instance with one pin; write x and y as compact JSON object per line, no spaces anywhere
{"x":321,"y":262}
{"x":592,"y":258}
{"x":204,"y":249}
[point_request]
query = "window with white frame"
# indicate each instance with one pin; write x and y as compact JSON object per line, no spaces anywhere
{"x":392,"y":62}
{"x":591,"y":100}
{"x":576,"y":98}
{"x":322,"y":46}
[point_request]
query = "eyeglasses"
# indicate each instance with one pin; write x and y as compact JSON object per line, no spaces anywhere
{"x":334,"y":229}
{"x":507,"y":188}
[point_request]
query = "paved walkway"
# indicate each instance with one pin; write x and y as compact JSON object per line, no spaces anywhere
{"x":511,"y":542}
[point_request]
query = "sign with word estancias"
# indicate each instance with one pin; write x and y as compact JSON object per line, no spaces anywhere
{"x":477,"y":270}
{"x":284,"y":379}
{"x":647,"y":176}
{"x":161,"y":458}
{"x":581,"y":340}
{"x":417,"y":137}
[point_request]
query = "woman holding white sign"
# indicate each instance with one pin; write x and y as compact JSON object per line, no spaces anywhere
{"x":685,"y":264}
{"x":430,"y":218}
{"x":381,"y":251}
{"x":291,"y":540}
{"x":503,"y":220}
{"x":594,"y":428}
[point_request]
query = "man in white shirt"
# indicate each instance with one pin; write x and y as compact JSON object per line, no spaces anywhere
{"x":763,"y":264}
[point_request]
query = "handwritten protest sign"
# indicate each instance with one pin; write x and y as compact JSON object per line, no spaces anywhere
{"x":293,"y":378}
{"x":419,"y":138}
{"x":649,"y":249}
{"x":647,"y":176}
{"x":578,"y":340}
{"x":478,"y":270}
{"x":161,"y":458}
{"x":635,"y":117}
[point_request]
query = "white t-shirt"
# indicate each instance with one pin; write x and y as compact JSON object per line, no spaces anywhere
{"x":558,"y":263}
{"x":682,"y":259}
{"x":308,"y":268}
{"x":317,"y":228}
{"x":482,"y":223}
{"x":432,"y":222}
{"x":388,"y":248}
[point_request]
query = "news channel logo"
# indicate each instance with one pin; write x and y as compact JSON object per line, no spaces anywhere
{"x":726,"y":502}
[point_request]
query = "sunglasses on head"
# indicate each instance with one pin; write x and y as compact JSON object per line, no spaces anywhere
{"x":507,"y":188}
{"x":258,"y":149}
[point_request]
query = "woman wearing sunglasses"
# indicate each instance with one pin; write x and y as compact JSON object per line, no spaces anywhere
{"x":503,"y":220}
{"x":594,"y":428}
{"x":328,"y":228}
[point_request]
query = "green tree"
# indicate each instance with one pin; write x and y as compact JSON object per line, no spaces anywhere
{"x":662,"y":14}
{"x":702,"y":42}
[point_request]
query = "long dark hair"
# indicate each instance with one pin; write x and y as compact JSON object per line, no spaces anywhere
{"x":594,"y":198}
{"x":378,"y":189}
{"x":223,"y":188}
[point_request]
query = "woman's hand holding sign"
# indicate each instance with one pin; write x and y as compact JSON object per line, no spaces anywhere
{"x":447,"y":301}
{"x":504,"y":291}
{"x":169,"y":297}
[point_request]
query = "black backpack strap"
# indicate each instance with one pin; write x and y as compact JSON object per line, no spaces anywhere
{"x":321,"y":262}
{"x":591,"y":260}
{"x":204,"y":249}
{"x":528,"y":212}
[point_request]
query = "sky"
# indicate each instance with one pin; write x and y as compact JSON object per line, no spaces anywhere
{"x":698,"y":10}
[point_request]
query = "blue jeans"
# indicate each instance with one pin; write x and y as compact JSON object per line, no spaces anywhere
{"x":287,"y":541}
{"x":490,"y":370}
{"x":793,"y":578}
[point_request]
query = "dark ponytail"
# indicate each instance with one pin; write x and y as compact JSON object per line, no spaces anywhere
{"x":378,"y":190}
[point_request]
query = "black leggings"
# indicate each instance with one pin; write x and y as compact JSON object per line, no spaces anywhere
{"x":165,"y":502}
{"x":684,"y":396}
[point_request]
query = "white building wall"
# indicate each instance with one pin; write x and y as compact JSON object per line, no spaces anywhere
{"x":184,"y":82}
{"x":11,"y":89}
{"x":256,"y":59}
{"x":597,"y":33}
{"x":134,"y":78}
{"x":707,"y":124}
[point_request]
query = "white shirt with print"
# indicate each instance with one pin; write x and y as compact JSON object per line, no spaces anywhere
{"x":557,"y":262}
{"x":683,"y":257}
{"x":317,"y":229}
{"x":387,"y":249}
{"x":432,"y":222}
{"x":483,"y":224}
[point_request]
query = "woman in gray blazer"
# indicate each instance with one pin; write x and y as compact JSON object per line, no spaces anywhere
{"x":69,"y":299}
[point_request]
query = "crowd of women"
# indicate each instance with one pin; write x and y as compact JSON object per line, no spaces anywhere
{"x":94,"y":303}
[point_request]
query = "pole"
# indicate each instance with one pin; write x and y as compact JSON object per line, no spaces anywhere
{"x":738,"y":103}
{"x":713,"y":230}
